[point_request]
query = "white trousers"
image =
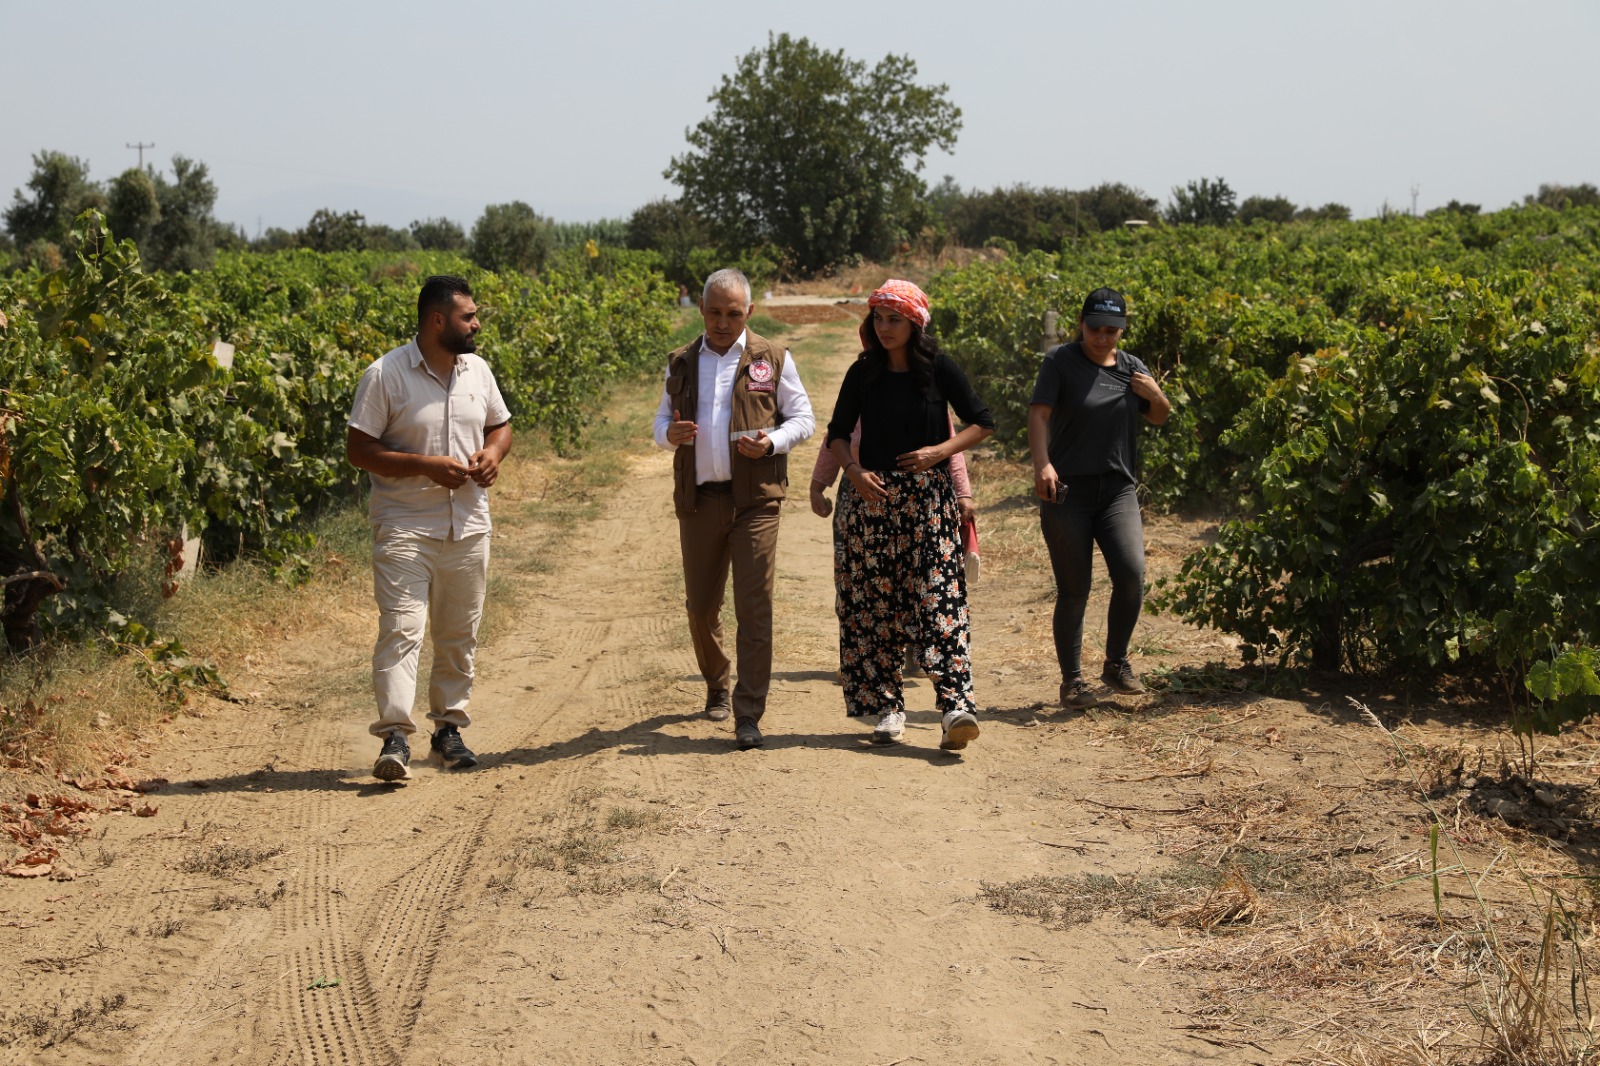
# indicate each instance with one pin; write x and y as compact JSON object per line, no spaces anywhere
{"x":421,"y":581}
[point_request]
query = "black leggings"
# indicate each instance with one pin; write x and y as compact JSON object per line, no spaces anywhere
{"x":1092,"y":510}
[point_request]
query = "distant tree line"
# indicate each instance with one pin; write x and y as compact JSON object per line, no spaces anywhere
{"x":808,"y":160}
{"x":171,"y":220}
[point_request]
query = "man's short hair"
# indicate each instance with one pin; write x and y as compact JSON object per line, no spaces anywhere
{"x":439,"y":293}
{"x":727,"y":278}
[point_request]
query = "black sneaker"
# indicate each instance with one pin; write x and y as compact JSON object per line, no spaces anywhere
{"x":747,"y":734}
{"x":447,"y":742}
{"x":719,"y":708}
{"x":1122,"y":679}
{"x":394,"y":760}
{"x":1076,"y":694}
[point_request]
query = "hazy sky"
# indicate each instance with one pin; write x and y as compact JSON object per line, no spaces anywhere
{"x":404,"y":110}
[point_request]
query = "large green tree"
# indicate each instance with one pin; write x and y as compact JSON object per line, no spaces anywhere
{"x":186,"y":234}
{"x":1206,"y":202}
{"x":1268,"y":208}
{"x":1111,"y":204}
{"x":133,"y":205}
{"x":814,"y":152}
{"x":59,"y":190}
{"x":511,"y":238}
{"x":439,"y":235}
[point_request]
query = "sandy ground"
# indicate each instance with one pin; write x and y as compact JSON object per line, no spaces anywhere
{"x":615,"y":883}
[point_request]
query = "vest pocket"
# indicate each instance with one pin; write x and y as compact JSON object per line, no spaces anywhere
{"x":761,"y":479}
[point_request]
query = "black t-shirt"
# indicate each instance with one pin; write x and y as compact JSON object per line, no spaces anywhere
{"x":1094,"y":412}
{"x":895,"y":417}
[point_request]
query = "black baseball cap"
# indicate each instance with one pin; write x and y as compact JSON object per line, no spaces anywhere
{"x":1105,"y":307}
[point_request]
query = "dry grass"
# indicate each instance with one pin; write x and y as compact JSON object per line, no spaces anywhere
{"x":224,"y":860}
{"x":595,"y":855}
{"x":45,"y":1027}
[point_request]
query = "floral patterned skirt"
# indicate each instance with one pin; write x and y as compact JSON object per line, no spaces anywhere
{"x":897,"y":568}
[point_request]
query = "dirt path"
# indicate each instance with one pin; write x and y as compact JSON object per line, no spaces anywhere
{"x":616,"y":884}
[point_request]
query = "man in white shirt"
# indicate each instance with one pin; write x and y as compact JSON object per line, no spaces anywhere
{"x":731,"y":411}
{"x":429,"y":425}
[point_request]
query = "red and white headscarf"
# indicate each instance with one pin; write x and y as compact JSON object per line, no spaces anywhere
{"x":899,"y":296}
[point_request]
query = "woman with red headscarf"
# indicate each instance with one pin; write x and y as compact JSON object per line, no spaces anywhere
{"x":897,"y":543}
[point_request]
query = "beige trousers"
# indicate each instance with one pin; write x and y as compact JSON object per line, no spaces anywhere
{"x":419,"y":582}
{"x":715,"y":537}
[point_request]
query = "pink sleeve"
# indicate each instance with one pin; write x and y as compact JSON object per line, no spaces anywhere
{"x":958,"y":468}
{"x":827,"y":467}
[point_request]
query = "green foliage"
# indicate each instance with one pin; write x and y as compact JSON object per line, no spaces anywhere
{"x":1328,"y":212}
{"x":94,"y":364}
{"x":439,"y":235}
{"x":1405,"y":413}
{"x":164,"y":663}
{"x":1033,"y":219}
{"x":332,"y":231}
{"x":672,"y":229}
{"x":61,"y":190}
{"x":1423,"y":489}
{"x":512,"y":238}
{"x":170,"y":221}
{"x":1458,"y":208}
{"x":118,"y":427}
{"x":1206,"y":202}
{"x":814,"y":152}
{"x":1266,"y":208}
{"x":1111,"y":204}
{"x":185,"y":235}
{"x":1562,"y":197}
{"x":565,"y":235}
{"x":133,"y":205}
{"x":1567,"y":686}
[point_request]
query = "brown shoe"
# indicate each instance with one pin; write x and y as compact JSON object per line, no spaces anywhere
{"x":1122,"y":679}
{"x":1076,"y":694}
{"x":719,"y":708}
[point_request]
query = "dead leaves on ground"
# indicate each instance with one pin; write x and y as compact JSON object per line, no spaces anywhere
{"x":40,"y":823}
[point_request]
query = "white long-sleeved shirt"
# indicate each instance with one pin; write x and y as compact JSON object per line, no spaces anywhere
{"x":713,"y":459}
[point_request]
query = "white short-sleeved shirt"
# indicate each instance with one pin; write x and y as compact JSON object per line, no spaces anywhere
{"x":401,"y":403}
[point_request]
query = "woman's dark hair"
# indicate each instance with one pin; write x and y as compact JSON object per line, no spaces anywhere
{"x":921,"y":351}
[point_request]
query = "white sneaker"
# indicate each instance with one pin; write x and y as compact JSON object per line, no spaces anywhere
{"x":891,"y":724}
{"x":960,"y":729}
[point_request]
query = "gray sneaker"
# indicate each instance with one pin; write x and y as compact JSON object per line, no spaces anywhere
{"x":1122,"y":679}
{"x":1076,"y":694}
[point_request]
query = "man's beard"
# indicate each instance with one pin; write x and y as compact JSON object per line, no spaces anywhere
{"x":459,"y":343}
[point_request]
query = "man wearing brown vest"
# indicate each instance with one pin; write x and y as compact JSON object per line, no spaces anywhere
{"x":732,"y":409}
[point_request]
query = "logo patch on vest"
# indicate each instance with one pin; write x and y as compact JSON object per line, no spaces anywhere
{"x":760,"y":376}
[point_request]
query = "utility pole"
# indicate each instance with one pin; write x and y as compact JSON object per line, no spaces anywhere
{"x":1415,"y":188}
{"x":141,"y":146}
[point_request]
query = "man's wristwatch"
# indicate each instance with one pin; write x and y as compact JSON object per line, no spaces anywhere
{"x":770,"y":446}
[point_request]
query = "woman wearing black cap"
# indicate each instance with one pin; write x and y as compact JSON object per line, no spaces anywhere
{"x":1083,"y":425}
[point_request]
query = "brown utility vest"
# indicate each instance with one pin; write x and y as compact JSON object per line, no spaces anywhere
{"x":755,"y":406}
